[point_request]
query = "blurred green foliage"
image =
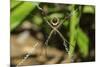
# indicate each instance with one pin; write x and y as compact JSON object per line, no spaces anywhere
{"x":83,"y":42}
{"x":88,"y":9}
{"x":14,"y":3}
{"x":20,"y":10}
{"x":37,"y":20}
{"x":74,"y":20}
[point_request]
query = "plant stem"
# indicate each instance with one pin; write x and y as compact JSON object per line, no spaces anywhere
{"x":74,"y":20}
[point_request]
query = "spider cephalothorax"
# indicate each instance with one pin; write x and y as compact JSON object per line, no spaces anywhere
{"x":55,"y":21}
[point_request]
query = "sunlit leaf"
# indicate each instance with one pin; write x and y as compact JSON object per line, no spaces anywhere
{"x":14,"y":3}
{"x":88,"y":9}
{"x":83,"y":42}
{"x":20,"y":13}
{"x":74,"y":20}
{"x":65,"y":23}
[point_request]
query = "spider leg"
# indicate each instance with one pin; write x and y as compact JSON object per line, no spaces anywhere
{"x":63,"y":38}
{"x":39,"y":7}
{"x":65,"y":45}
{"x":47,"y":22}
{"x":46,"y":42}
{"x":72,"y":13}
{"x":45,"y":16}
{"x":61,"y":23}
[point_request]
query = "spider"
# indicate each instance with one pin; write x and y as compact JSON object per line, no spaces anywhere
{"x":55,"y":23}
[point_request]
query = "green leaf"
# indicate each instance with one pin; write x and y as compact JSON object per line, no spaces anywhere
{"x":14,"y":3}
{"x":58,"y":15}
{"x":20,"y":13}
{"x":83,"y":42}
{"x":37,"y":20}
{"x":66,"y":23}
{"x":74,"y":21}
{"x":88,"y":9}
